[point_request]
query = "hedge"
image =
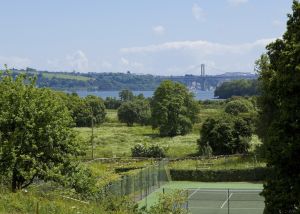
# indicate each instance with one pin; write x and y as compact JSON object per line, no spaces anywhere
{"x":254,"y":174}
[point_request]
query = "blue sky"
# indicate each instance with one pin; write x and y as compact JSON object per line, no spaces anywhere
{"x":160,"y":37}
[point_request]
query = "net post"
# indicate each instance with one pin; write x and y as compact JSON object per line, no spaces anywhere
{"x":228,"y":197}
{"x":187,"y":200}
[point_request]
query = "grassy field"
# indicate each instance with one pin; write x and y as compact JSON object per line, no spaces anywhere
{"x":114,"y":139}
{"x":65,"y":76}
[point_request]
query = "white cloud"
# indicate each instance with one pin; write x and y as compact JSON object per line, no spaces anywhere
{"x":198,"y":13}
{"x":204,"y":47}
{"x":237,"y":2}
{"x":78,"y":61}
{"x":159,"y":30}
{"x":15,"y":62}
{"x":131,"y":65}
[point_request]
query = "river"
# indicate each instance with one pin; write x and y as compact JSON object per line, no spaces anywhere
{"x":199,"y":95}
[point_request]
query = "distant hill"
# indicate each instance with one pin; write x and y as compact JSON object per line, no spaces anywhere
{"x":72,"y":81}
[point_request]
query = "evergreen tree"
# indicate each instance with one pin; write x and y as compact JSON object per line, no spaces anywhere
{"x":279,"y":77}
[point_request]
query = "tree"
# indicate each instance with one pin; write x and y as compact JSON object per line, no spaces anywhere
{"x":225,"y":135}
{"x":279,"y":128}
{"x":237,"y":106}
{"x":126,"y":95}
{"x":174,"y":111}
{"x":35,"y":139}
{"x":97,"y":108}
{"x":83,"y":110}
{"x":137,"y":111}
{"x":237,"y":88}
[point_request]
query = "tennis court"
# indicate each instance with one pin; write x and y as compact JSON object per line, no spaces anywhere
{"x":216,"y":197}
{"x":222,"y":201}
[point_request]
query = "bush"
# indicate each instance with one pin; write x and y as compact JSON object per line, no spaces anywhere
{"x":137,"y":111}
{"x":112,"y":103}
{"x":173,"y":202}
{"x":232,"y":175}
{"x":225,"y":135}
{"x":152,"y":151}
{"x":237,"y":106}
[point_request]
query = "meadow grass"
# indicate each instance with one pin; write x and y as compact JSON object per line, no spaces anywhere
{"x":66,"y":76}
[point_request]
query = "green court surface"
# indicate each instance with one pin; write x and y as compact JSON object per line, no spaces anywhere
{"x":215,"y":198}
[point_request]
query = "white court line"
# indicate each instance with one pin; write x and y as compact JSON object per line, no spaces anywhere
{"x":193,"y":193}
{"x":215,"y":208}
{"x":226,"y":201}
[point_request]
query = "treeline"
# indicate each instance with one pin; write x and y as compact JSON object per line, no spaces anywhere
{"x":113,"y":81}
{"x":237,"y":88}
{"x":92,"y":81}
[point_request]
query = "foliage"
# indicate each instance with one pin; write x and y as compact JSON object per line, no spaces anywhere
{"x":237,"y":88}
{"x":225,"y":135}
{"x":219,"y":163}
{"x":173,"y":202}
{"x":237,"y":106}
{"x":279,"y":128}
{"x":221,"y":175}
{"x":112,"y":103}
{"x":97,"y":108}
{"x":152,"y":151}
{"x":173,"y":108}
{"x":53,"y":201}
{"x":137,"y":111}
{"x":84,"y":110}
{"x":126,"y":95}
{"x":36,"y":141}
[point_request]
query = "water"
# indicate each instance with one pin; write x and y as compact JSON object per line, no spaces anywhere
{"x":199,"y":95}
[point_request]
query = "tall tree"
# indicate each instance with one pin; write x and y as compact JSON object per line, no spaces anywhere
{"x":279,"y":72}
{"x":35,"y":139}
{"x":173,"y":109}
{"x":126,"y":95}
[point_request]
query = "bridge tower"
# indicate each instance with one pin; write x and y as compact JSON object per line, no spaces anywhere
{"x":202,"y":70}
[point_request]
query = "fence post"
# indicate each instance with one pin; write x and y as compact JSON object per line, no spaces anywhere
{"x":141,"y":184}
{"x":37,"y":208}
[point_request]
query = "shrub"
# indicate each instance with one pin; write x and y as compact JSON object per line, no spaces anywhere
{"x":225,"y":135}
{"x":137,"y":111}
{"x":173,"y":202}
{"x":232,"y":175}
{"x":237,"y":106}
{"x":152,"y":151}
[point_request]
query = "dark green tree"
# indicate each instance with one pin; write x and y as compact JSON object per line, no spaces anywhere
{"x":279,"y":128}
{"x":137,"y":111}
{"x":126,"y":95}
{"x":237,"y":106}
{"x":225,"y":135}
{"x":35,"y":139}
{"x":97,"y":108}
{"x":237,"y":88}
{"x":174,"y":110}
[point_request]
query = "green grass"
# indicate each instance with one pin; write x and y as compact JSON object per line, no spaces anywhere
{"x":65,"y":76}
{"x":113,"y":139}
{"x":31,"y":201}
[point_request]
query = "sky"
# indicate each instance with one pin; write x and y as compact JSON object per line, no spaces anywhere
{"x":160,"y":37}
